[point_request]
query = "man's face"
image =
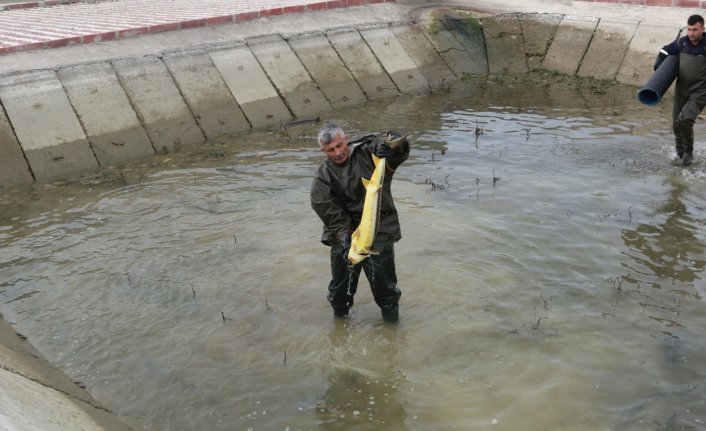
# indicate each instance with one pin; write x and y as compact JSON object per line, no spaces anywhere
{"x":337,"y":150}
{"x":695,"y":32}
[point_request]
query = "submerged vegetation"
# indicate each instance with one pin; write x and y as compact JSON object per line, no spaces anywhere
{"x":543,"y":78}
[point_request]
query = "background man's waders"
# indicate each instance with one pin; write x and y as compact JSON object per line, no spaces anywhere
{"x":689,"y":102}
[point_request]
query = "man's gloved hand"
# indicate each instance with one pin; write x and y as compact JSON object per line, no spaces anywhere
{"x":382,"y":150}
{"x":660,"y":58}
{"x":345,"y":239}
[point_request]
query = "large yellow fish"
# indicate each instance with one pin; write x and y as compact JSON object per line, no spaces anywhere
{"x":363,"y":237}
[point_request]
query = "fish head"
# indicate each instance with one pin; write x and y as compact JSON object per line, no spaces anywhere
{"x":394,"y":140}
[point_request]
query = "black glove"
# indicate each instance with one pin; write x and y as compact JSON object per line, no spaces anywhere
{"x":345,"y":239}
{"x":382,"y":150}
{"x":660,"y":58}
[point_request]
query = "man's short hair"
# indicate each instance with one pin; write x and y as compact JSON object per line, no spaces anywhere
{"x":328,"y":133}
{"x":693,"y":19}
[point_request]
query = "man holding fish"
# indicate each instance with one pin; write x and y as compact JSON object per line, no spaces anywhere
{"x":351,"y":195}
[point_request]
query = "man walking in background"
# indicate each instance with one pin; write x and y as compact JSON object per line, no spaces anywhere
{"x":690,"y":90}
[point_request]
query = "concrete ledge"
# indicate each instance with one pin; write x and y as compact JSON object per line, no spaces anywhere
{"x":571,"y":41}
{"x":158,"y":103}
{"x":538,"y":31}
{"x":193,"y":94}
{"x":20,"y":409}
{"x":465,"y":53}
{"x":205,"y":92}
{"x":190,"y":95}
{"x":45,"y":125}
{"x":35,"y":367}
{"x":395,"y":60}
{"x":422,"y":52}
{"x":505,"y":45}
{"x":648,"y":40}
{"x":247,"y":77}
{"x":289,"y":76}
{"x":327,"y":69}
{"x":362,"y":64}
{"x":13,"y":166}
{"x":608,"y":49}
{"x":250,"y":86}
{"x":104,"y":111}
{"x":34,"y":394}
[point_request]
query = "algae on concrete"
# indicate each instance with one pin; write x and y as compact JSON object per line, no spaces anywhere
{"x":462,"y":32}
{"x":422,"y":52}
{"x":504,"y":44}
{"x":538,"y":32}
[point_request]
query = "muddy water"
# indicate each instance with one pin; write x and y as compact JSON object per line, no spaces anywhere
{"x":551,"y":266}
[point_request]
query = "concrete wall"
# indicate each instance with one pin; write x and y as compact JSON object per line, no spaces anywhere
{"x":108,"y":112}
{"x":45,"y":125}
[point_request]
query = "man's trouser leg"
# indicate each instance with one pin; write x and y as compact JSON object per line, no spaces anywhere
{"x":683,"y":125}
{"x":678,"y":139}
{"x":344,"y":282}
{"x":380,"y":272}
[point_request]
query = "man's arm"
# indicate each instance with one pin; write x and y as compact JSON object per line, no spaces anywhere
{"x":669,"y":49}
{"x":329,"y":207}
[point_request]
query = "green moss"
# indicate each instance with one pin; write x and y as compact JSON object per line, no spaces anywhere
{"x":473,"y":22}
{"x":433,"y":26}
{"x":543,"y":78}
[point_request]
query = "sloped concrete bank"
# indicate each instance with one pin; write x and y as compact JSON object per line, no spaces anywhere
{"x":74,"y":114}
{"x":35,"y":395}
{"x":72,"y":110}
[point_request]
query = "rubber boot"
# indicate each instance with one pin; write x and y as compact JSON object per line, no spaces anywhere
{"x":341,"y":312}
{"x":684,"y":139}
{"x":687,"y":159}
{"x":390,"y":313}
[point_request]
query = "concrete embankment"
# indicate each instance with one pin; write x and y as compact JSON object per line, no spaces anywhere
{"x":71,"y":110}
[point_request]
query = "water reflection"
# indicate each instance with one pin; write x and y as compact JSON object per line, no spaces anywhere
{"x":669,"y":250}
{"x":666,"y":254}
{"x":363,"y":380}
{"x":678,"y":400}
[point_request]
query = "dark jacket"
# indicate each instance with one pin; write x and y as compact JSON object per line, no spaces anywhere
{"x":338,"y":194}
{"x":691,"y":59}
{"x":691,"y":81}
{"x":684,"y":45}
